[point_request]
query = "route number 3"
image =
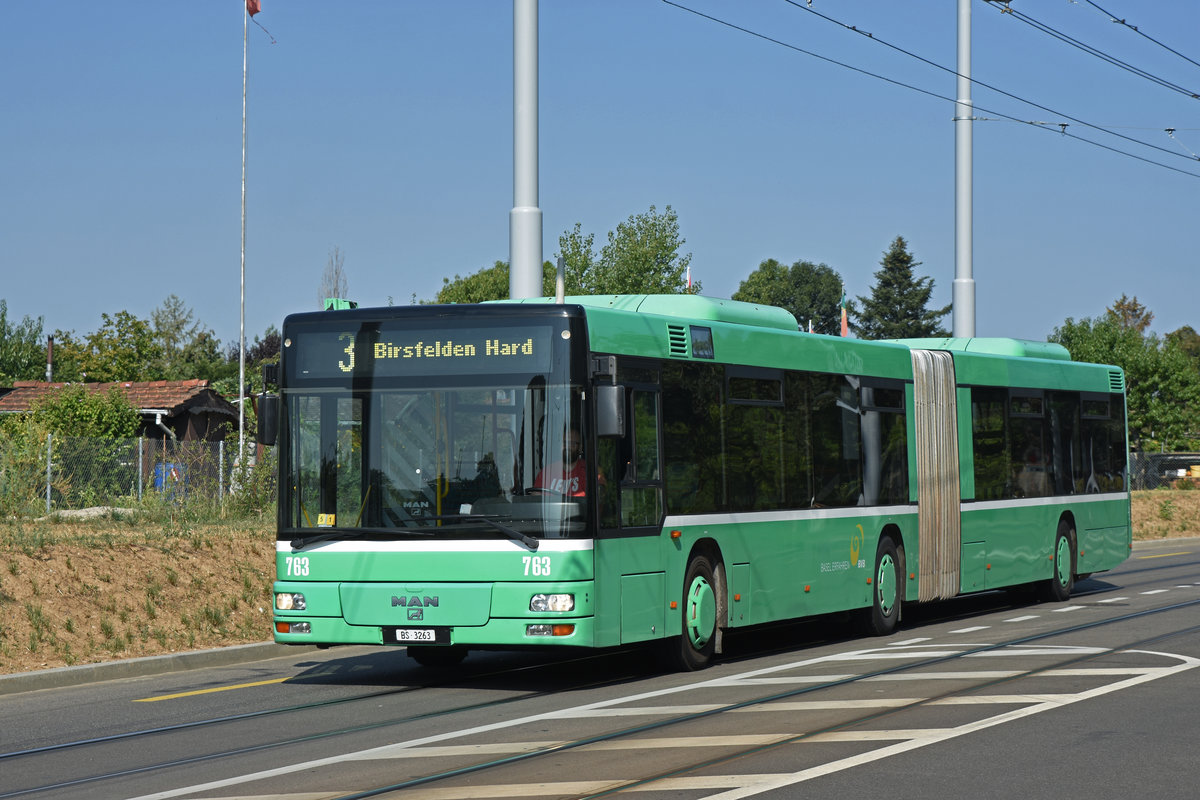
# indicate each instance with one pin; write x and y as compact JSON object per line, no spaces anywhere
{"x":537,"y":565}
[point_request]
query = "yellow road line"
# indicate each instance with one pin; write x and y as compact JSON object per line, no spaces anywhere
{"x":1166,"y":555}
{"x":208,"y":691}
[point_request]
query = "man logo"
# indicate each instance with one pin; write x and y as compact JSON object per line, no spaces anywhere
{"x":416,"y":614}
{"x":413,"y":601}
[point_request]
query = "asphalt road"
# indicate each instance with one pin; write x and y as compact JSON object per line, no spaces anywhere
{"x":986,"y":696}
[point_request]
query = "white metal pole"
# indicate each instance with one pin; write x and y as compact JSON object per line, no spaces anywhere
{"x":964,"y":280}
{"x":525,"y":219}
{"x":242,"y":310}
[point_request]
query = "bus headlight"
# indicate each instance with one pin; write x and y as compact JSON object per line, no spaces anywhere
{"x":290,"y":601}
{"x":552,"y":602}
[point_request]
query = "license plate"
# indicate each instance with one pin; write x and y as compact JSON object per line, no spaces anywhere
{"x":417,"y":635}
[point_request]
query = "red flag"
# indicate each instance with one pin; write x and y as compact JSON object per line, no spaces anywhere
{"x":253,"y":7}
{"x":845,"y":322}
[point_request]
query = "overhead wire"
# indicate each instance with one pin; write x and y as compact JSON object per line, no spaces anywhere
{"x":985,"y":85}
{"x":1138,"y":31}
{"x":1089,"y":49}
{"x":975,"y":107}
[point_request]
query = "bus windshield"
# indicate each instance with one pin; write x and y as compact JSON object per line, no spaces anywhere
{"x":445,"y":454}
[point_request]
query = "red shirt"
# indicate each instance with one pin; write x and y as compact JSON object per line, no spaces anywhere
{"x":557,"y":478}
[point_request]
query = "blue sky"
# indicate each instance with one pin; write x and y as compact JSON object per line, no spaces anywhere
{"x":385,"y":129}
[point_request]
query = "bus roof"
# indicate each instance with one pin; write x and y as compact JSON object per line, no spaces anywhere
{"x":685,"y":306}
{"x":1019,"y":348}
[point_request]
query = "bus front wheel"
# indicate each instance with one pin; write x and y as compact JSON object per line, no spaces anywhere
{"x":694,"y":649}
{"x":886,"y":589}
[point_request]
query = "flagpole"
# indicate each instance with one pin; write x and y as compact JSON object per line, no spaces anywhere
{"x":242,"y":311}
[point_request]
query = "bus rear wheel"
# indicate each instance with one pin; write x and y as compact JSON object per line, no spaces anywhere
{"x":1061,"y":583}
{"x":694,"y":649}
{"x":886,"y":589}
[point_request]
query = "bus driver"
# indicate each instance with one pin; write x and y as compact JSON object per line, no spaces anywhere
{"x":569,"y":476}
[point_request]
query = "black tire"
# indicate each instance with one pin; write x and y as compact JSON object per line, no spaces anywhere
{"x":886,"y":589}
{"x":1062,"y":581}
{"x":436,"y":655}
{"x":694,"y":649}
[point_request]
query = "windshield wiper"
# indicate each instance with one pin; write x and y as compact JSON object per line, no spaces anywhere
{"x":355,"y":533}
{"x":512,"y":533}
{"x":358,"y":533}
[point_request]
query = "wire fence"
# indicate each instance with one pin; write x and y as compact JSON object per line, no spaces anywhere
{"x":1164,"y":470}
{"x":63,"y":473}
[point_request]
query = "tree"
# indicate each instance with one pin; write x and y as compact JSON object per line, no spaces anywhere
{"x":22,"y":356}
{"x":896,"y":308}
{"x":1187,"y":340}
{"x":123,"y":349}
{"x":578,"y":253}
{"x":1162,"y":387}
{"x":264,"y":349}
{"x":186,"y":348}
{"x":173,"y":325}
{"x":333,"y":281}
{"x":812,"y":292}
{"x":641,"y":257}
{"x":489,"y":283}
{"x":201,"y":359}
{"x":1131,"y":314}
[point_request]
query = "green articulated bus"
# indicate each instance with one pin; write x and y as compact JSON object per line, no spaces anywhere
{"x":622,"y":469}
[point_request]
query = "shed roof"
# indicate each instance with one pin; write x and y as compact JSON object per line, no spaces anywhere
{"x":170,"y":396}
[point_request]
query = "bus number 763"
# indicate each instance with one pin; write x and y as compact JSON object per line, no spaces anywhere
{"x":538,"y":566}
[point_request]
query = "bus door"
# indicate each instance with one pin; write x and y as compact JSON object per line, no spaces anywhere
{"x":630,"y":487}
{"x":629,"y":469}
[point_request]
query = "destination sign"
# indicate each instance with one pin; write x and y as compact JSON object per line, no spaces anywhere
{"x":403,"y":352}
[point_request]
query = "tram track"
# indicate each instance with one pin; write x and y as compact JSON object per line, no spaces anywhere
{"x":561,"y":747}
{"x":81,"y":745}
{"x":728,"y":758}
{"x":632,"y":731}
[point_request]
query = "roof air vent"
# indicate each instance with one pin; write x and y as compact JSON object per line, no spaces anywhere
{"x":677,"y":343}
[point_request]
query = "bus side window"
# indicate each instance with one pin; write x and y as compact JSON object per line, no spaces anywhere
{"x":641,"y":490}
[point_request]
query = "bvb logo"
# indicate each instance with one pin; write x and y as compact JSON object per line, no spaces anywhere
{"x":856,"y":542}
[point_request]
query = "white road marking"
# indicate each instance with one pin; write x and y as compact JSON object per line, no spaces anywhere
{"x":742,"y":786}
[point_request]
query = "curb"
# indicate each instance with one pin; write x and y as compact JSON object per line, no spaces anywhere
{"x":61,"y":677}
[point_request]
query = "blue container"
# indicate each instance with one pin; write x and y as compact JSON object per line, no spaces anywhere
{"x":169,"y":477}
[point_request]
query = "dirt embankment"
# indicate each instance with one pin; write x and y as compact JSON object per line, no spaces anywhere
{"x":90,"y":592}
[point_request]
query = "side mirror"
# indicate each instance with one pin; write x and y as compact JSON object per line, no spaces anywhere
{"x":610,"y":410}
{"x":268,"y":418}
